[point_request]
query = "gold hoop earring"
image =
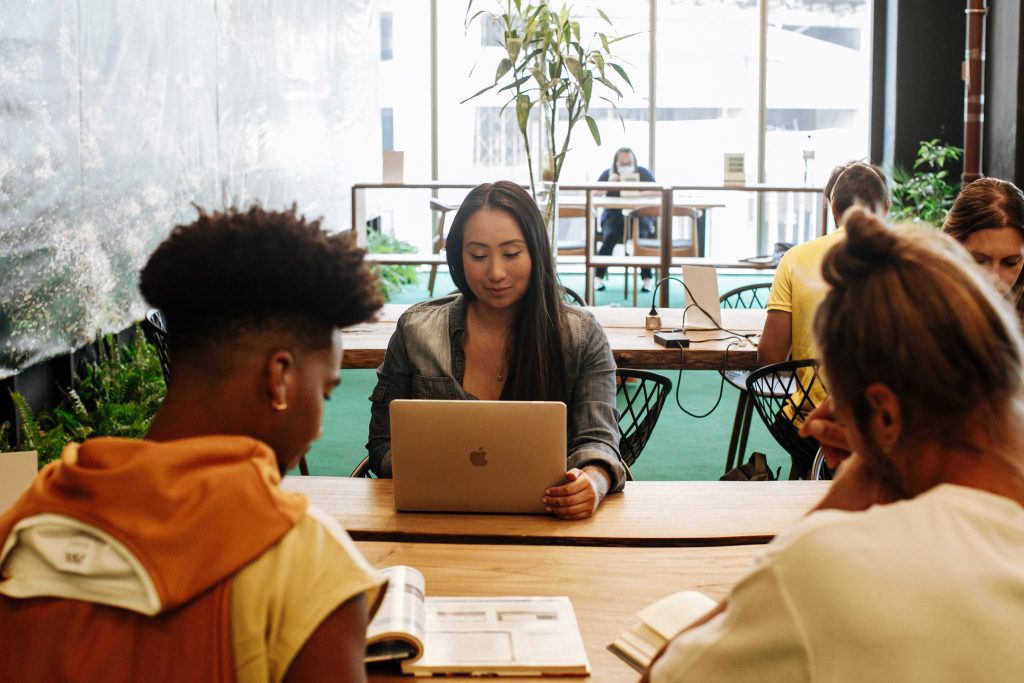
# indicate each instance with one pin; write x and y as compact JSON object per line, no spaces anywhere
{"x":279,"y":407}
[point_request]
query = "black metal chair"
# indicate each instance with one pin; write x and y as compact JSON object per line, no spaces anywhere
{"x":572,"y":297}
{"x":640,"y":396}
{"x":363,"y":469}
{"x":771,"y":389}
{"x":819,"y":469}
{"x":154,"y":327}
{"x":749,"y":296}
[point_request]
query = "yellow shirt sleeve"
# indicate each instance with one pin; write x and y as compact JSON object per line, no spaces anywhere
{"x":780,"y":298}
{"x":280,"y":599}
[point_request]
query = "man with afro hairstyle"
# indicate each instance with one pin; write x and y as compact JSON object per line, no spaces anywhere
{"x":177,"y":557}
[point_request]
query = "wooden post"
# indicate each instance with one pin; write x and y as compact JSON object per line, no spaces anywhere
{"x":974,"y":89}
{"x":665,"y":234}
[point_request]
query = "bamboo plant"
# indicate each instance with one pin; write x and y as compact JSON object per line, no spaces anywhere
{"x":547,"y":66}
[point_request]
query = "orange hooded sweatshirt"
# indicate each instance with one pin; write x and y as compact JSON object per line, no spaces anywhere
{"x":116,"y":564}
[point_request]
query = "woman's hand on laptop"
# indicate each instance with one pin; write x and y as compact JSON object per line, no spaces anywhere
{"x":580,"y":496}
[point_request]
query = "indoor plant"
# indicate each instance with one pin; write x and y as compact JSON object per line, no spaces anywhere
{"x":115,"y":395}
{"x":925,"y":194}
{"x":546,"y":65}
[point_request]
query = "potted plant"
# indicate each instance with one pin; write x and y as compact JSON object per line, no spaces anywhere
{"x":925,"y":194}
{"x":547,"y":66}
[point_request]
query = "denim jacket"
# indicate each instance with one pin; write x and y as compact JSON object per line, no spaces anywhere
{"x":426,"y":359}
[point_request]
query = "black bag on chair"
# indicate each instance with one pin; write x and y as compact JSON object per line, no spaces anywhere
{"x":755,"y":469}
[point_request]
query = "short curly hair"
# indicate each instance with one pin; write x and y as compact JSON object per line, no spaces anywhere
{"x":258,"y":270}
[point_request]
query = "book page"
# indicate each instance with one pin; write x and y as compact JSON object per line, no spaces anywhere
{"x":500,"y":635}
{"x":398,"y":629}
{"x":659,"y":623}
{"x":672,"y":614}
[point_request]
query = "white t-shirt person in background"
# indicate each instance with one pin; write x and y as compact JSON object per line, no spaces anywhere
{"x":912,"y":567}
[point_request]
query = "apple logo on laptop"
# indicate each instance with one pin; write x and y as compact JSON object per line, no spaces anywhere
{"x":478,"y":457}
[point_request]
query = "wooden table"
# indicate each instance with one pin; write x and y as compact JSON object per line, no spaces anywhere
{"x":646,"y":514}
{"x":607,"y":586}
{"x":632,"y":346}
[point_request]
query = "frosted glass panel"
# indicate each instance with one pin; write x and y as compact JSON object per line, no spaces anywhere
{"x":116,"y":117}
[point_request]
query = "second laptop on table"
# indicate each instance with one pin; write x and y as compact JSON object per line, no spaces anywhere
{"x":476,"y":456}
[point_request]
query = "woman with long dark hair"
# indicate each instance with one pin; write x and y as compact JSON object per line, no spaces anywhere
{"x":988,"y":219}
{"x":507,"y":335}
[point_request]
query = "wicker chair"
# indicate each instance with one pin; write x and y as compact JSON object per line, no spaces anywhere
{"x":750,"y":296}
{"x":640,"y":397}
{"x":771,"y":389}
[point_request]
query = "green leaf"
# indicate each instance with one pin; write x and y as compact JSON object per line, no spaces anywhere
{"x":594,"y":130}
{"x":514,"y":85}
{"x":603,"y":15}
{"x":573,"y":65}
{"x":588,"y":87}
{"x":523,"y":106}
{"x":503,"y":68}
{"x":478,"y":93}
{"x":621,"y":72}
{"x":611,"y":86}
{"x":604,"y":42}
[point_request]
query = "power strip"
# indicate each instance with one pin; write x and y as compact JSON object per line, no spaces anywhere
{"x":672,"y":340}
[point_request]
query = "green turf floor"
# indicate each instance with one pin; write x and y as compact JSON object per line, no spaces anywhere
{"x":681,"y":448}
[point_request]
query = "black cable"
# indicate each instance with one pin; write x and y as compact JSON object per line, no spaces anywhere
{"x":654,"y":310}
{"x":721,"y":383}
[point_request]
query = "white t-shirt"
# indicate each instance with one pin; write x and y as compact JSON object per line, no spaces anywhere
{"x":929,"y":589}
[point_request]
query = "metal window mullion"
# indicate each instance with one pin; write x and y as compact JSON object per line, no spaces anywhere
{"x":433,"y":94}
{"x":652,"y":87}
{"x":762,"y":99}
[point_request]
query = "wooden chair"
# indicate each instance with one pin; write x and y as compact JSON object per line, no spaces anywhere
{"x":570,"y":247}
{"x":771,"y":388}
{"x":750,"y":296}
{"x":640,"y":396}
{"x":651,"y":246}
{"x":437,"y":244}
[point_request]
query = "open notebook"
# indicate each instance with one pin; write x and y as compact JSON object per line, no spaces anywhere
{"x":477,"y":636}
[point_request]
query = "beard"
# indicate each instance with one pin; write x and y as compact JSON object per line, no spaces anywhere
{"x":884,"y":470}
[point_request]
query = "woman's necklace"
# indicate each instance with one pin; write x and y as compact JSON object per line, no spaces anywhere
{"x":500,"y":378}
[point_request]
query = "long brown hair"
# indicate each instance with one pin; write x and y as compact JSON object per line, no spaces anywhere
{"x":536,"y":358}
{"x":908,"y":308}
{"x":984,"y":204}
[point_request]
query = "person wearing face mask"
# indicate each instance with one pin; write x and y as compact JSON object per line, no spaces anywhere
{"x":988,"y":219}
{"x":624,"y":168}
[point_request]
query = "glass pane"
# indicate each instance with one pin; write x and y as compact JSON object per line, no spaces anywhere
{"x":478,"y":141}
{"x":818,"y":93}
{"x":707,"y":107}
{"x":404,"y":112}
{"x":626,"y":124}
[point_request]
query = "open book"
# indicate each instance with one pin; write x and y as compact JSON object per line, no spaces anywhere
{"x":507,"y":636}
{"x":659,"y":623}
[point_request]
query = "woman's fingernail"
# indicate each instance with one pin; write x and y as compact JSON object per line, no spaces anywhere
{"x":813,"y":428}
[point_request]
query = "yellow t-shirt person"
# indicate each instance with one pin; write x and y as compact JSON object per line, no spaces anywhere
{"x":798,"y":288}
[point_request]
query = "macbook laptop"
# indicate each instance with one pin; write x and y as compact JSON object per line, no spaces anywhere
{"x":476,"y":456}
{"x":701,"y":289}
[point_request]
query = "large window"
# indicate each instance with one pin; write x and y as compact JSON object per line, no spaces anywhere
{"x":784,"y":82}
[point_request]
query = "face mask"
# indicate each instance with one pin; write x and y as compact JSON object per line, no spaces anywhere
{"x":626,"y":170}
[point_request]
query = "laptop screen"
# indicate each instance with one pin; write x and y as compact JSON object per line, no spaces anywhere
{"x":701,"y":290}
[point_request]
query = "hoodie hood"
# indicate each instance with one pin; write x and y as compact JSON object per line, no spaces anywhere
{"x":144,"y":525}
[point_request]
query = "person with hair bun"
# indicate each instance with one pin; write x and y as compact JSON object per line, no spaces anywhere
{"x":798,"y":288}
{"x":177,"y":556}
{"x":912,"y":566}
{"x":988,"y":219}
{"x":508,"y":335}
